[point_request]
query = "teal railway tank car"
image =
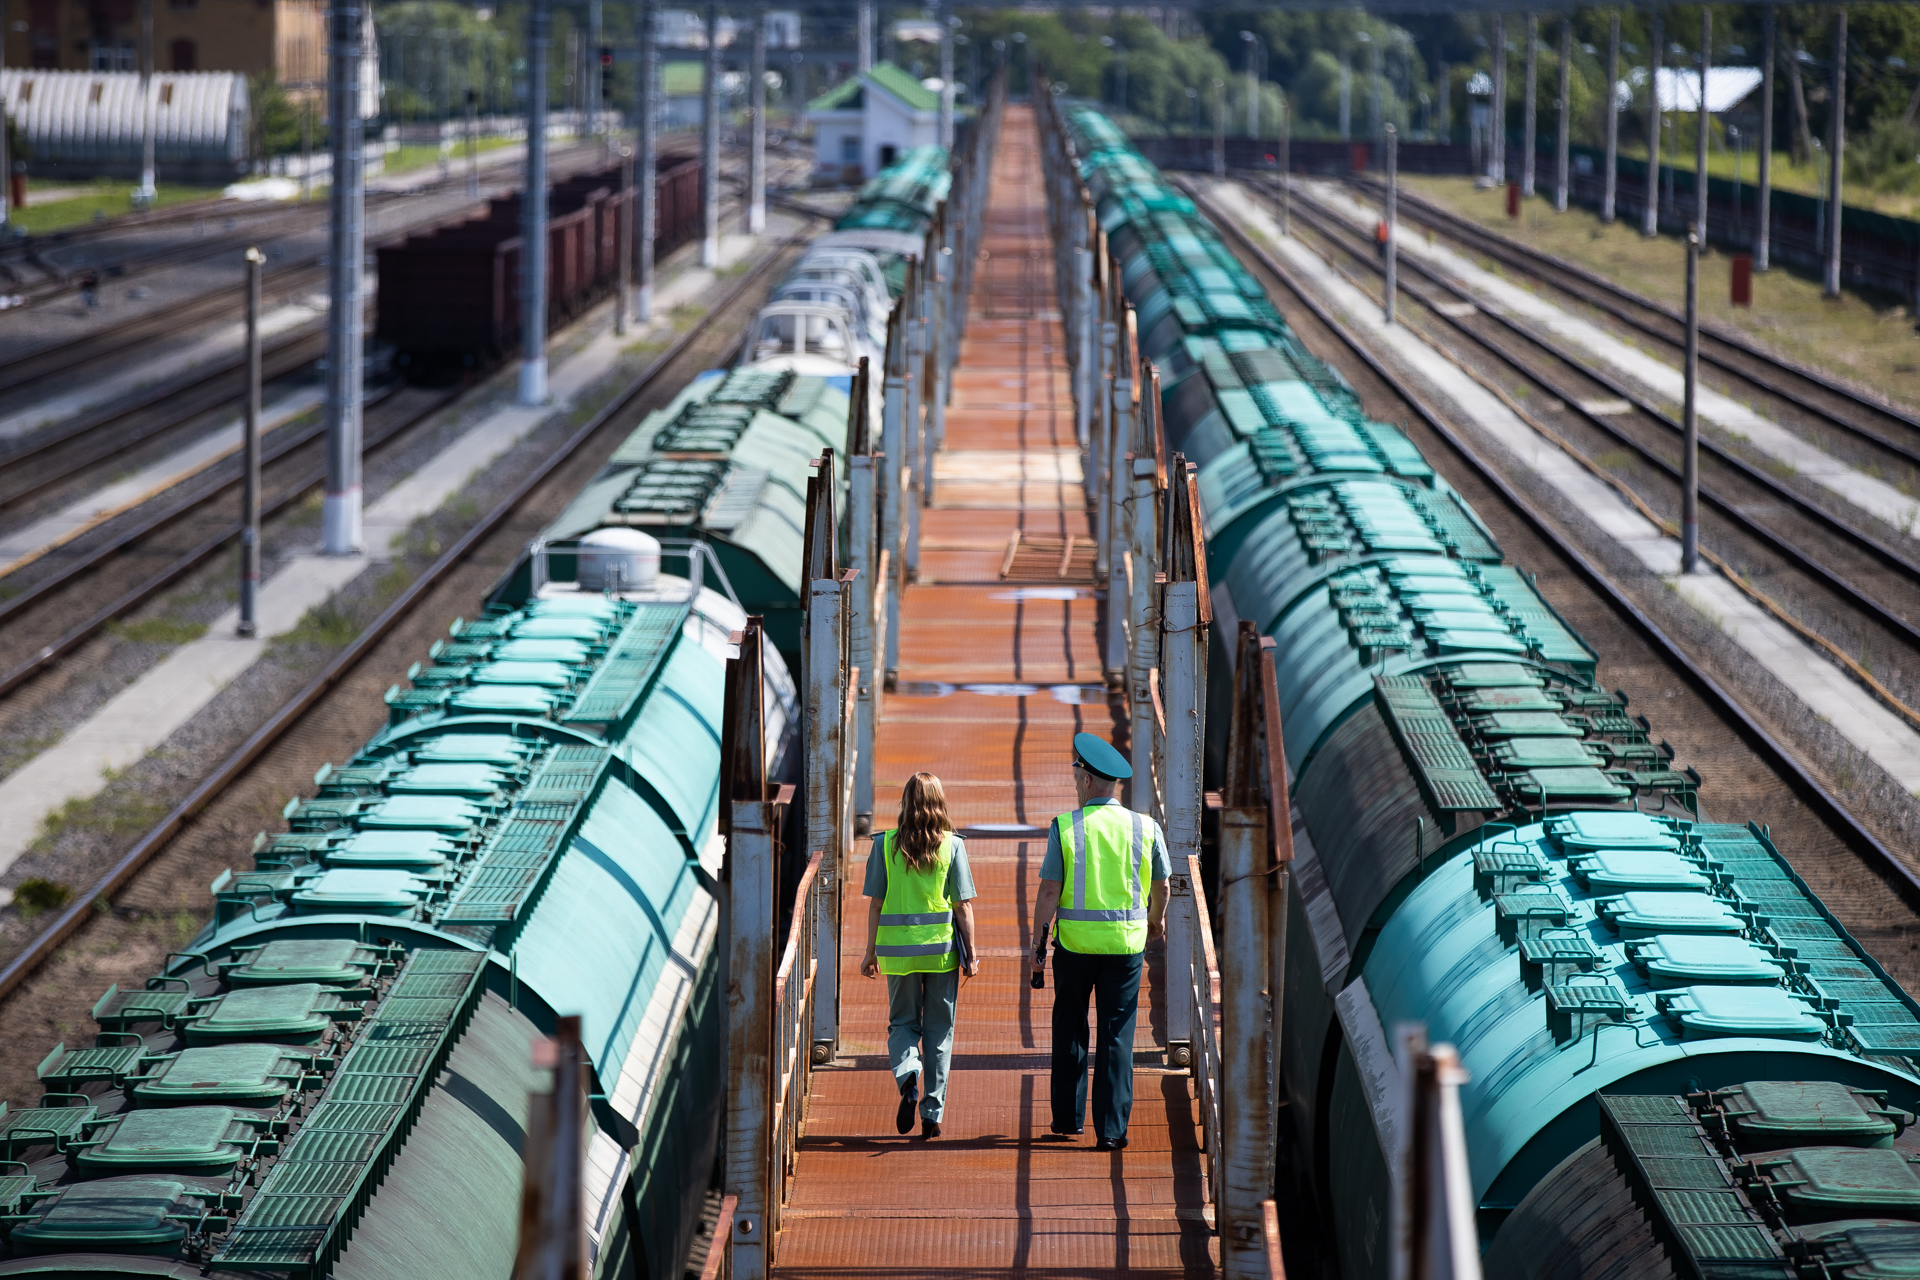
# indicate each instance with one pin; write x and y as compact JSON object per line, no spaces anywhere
{"x":332,"y":1079}
{"x":1677,"y":1055}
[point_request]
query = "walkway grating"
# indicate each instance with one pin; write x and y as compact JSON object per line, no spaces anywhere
{"x":996,"y":675}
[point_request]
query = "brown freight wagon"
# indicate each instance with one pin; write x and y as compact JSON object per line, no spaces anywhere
{"x":449,"y":300}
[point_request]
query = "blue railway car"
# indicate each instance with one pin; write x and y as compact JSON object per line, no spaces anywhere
{"x":333,"y":1078}
{"x":1680,"y":1062}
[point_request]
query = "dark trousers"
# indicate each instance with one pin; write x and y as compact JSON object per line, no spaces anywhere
{"x":1114,"y":984}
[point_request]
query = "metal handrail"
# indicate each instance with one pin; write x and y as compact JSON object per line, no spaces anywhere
{"x":719,"y":1263}
{"x":793,"y":988}
{"x":1203,"y":990}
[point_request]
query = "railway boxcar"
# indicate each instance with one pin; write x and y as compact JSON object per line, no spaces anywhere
{"x":332,"y":1079}
{"x":449,"y":300}
{"x":1676,"y":1054}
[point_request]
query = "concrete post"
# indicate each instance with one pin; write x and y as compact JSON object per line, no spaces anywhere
{"x":826,"y":697}
{"x":143,"y":197}
{"x":1089,"y":361}
{"x":894,"y":471}
{"x":1563,"y":133}
{"x":911,"y":440}
{"x":649,"y":155}
{"x":1690,"y":421}
{"x":1119,"y":482}
{"x":1705,"y":126}
{"x":346,"y":315}
{"x":863,"y":54}
{"x":595,"y":71}
{"x":1183,"y":692}
{"x":749,"y":937}
{"x":1650,"y":217}
{"x":1530,"y":110}
{"x":623,"y":297}
{"x":1497,"y":118}
{"x":1219,"y":128}
{"x":947,"y":21}
{"x":862,"y":528}
{"x":1103,"y":438}
{"x":1611,"y":177}
{"x":757,"y":107}
{"x":1143,"y":627}
{"x":1836,"y":154}
{"x":1763,"y":241}
{"x":1392,"y":290}
{"x":533,"y":213}
{"x":250,"y":456}
{"x":1286,"y":165}
{"x":710,"y":146}
{"x":1246,"y":1178}
{"x":6,"y":159}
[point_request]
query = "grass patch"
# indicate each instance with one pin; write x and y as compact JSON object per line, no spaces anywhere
{"x":326,"y":625}
{"x":1616,"y":459}
{"x":169,"y":631}
{"x":37,"y":894}
{"x":103,"y":200}
{"x":420,"y":155}
{"x":105,"y":813}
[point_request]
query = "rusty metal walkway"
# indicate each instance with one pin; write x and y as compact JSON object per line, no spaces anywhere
{"x":999,"y":667}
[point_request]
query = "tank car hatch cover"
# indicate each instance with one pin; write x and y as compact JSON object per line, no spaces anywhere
{"x":1528,"y":912}
{"x":113,"y":1215}
{"x":201,"y":1140}
{"x":1782,"y":1112}
{"x":1866,"y":1250}
{"x":560,"y":626}
{"x":1457,"y":642}
{"x":119,"y":1010}
{"x":1576,"y":785}
{"x":1682,"y":959}
{"x":403,"y":850}
{"x":245,"y":1074}
{"x":332,"y":961}
{"x":1525,"y":698}
{"x":1541,"y":753}
{"x":506,"y":699}
{"x":605,"y":609}
{"x":383,"y":892}
{"x":299,"y":1013}
{"x":1824,"y":1183}
{"x":571,"y":652}
{"x":465,"y":778}
{"x":1741,"y":1011}
{"x":1602,"y":830}
{"x":1491,"y":675}
{"x":1525,"y":724}
{"x":553,"y":675}
{"x":1616,"y":870}
{"x":1642,"y":913}
{"x":425,"y":813}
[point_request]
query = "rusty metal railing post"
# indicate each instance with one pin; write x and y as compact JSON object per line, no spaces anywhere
{"x":910,"y":417}
{"x":1120,"y":436}
{"x":1243,"y":1038}
{"x":893,"y":470}
{"x":867,"y":628}
{"x":824,"y":647}
{"x":1185,"y":615}
{"x":553,"y":1219}
{"x":1145,"y":480}
{"x":1433,"y":1234}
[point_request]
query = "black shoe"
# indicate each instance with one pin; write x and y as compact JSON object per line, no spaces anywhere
{"x":909,"y":1098}
{"x":1109,"y":1144}
{"x":1066,"y":1133}
{"x":929,"y":1128}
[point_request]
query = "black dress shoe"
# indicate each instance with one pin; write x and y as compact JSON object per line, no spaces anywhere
{"x":909,"y":1098}
{"x":1109,"y":1144}
{"x":929,"y":1128}
{"x":1063,"y":1135}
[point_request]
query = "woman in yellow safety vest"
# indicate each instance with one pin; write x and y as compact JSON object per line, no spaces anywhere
{"x":920,"y":934}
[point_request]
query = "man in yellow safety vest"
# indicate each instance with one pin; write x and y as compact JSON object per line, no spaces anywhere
{"x":1103,"y":894}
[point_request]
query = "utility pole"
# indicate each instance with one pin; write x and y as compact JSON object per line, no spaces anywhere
{"x":346,"y":317}
{"x":710,"y":146}
{"x":1253,"y":43}
{"x":1761,"y":244}
{"x":1706,"y":126}
{"x":1690,"y":421}
{"x":1836,"y":151}
{"x":595,"y":70}
{"x":1377,"y":107}
{"x":473,"y":145}
{"x":757,"y":107}
{"x":1529,"y":113}
{"x":649,"y":156}
{"x":1650,"y":221}
{"x":623,"y":300}
{"x":1497,"y":139}
{"x":1612,"y":179}
{"x":1563,"y":142}
{"x":1219,"y":128}
{"x":250,"y":457}
{"x":1286,"y":165}
{"x":6,"y":160}
{"x":1346,"y":95}
{"x":863,"y":56}
{"x":1393,"y":211}
{"x":947,"y":24}
{"x":144,"y":197}
{"x":533,"y":213}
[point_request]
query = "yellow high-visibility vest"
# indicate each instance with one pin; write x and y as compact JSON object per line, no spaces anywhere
{"x":916,"y":916}
{"x":1105,"y":850}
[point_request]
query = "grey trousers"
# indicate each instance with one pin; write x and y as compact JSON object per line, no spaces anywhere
{"x":920,"y":1009}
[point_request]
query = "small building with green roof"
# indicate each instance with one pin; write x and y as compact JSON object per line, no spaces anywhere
{"x":866,"y":122}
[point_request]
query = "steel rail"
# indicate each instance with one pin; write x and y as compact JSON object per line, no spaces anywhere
{"x":1826,"y":576}
{"x":182,"y":564}
{"x":1879,"y":858}
{"x":48,"y":941}
{"x":1525,"y":256}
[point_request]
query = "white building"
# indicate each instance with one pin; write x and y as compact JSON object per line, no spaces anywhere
{"x":865,"y":123}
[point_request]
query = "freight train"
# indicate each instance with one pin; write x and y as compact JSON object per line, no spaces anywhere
{"x":1680,"y":1062}
{"x":449,"y":299}
{"x":332,"y":1078}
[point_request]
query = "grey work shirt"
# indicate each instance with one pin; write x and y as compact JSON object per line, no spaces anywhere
{"x":1054,"y":866}
{"x":959,"y":875}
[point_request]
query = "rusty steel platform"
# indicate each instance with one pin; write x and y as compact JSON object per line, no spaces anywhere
{"x":996,"y":675}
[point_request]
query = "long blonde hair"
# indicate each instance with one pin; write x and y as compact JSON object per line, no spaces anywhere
{"x":923,"y":820}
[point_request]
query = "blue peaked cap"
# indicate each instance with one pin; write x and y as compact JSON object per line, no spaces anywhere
{"x":1098,"y":755}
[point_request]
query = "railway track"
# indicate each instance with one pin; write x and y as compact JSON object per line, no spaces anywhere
{"x":1750,"y":769}
{"x":279,"y":751}
{"x":1808,"y":397}
{"x":1868,"y":589}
